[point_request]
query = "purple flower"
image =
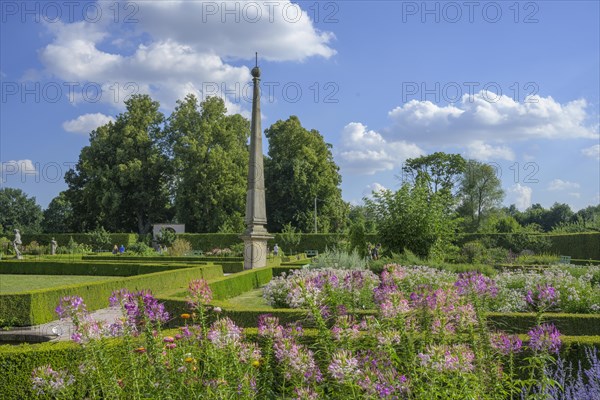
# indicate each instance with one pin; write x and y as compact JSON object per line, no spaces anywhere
{"x":139,"y":307}
{"x":71,"y":306}
{"x":506,"y":344}
{"x":343,"y":366}
{"x":476,"y":283}
{"x":297,"y":362}
{"x":544,"y":297}
{"x":46,"y":381}
{"x":268,"y":326}
{"x":544,"y":337}
{"x":199,"y":293}
{"x":458,"y":357}
{"x":224,"y":332}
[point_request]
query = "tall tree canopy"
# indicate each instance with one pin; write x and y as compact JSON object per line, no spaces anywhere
{"x":18,"y":212}
{"x":298,"y":169}
{"x":58,"y":217}
{"x":413,"y":218}
{"x":441,"y":171}
{"x":210,"y":155}
{"x":480,"y":192}
{"x":559,"y":213}
{"x":121,"y":179}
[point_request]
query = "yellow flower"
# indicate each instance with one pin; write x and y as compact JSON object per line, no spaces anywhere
{"x":256,"y":363}
{"x":189,"y":360}
{"x":140,"y":350}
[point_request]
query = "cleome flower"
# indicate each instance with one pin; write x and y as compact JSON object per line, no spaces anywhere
{"x":544,"y":337}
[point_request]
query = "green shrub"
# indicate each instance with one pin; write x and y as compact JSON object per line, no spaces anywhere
{"x":34,"y":248}
{"x":100,"y":239}
{"x":141,"y":248}
{"x":339,"y":259}
{"x":180,"y":247}
{"x":166,"y":237}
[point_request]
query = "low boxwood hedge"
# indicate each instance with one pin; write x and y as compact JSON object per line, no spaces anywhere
{"x":37,"y":306}
{"x":17,"y":362}
{"x":47,"y":267}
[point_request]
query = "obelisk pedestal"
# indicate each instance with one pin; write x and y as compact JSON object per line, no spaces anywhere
{"x":255,"y":236}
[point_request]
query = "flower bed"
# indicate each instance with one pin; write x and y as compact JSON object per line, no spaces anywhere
{"x":575,"y":289}
{"x":432,"y":343}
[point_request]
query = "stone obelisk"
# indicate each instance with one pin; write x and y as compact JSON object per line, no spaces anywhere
{"x":255,"y":236}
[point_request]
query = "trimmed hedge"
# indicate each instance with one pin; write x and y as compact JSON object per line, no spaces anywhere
{"x":567,"y":324}
{"x":308,"y":241}
{"x":234,"y":285}
{"x":25,"y":267}
{"x":37,"y":306}
{"x":62,"y":239}
{"x":577,"y":245}
{"x":17,"y":362}
{"x":159,"y":258}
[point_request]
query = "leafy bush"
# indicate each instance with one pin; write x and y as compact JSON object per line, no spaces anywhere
{"x":338,"y":259}
{"x":34,"y":248}
{"x":180,"y":247}
{"x":237,"y":250}
{"x":290,"y":238}
{"x":100,"y":239}
{"x":73,"y":247}
{"x":142,"y":249}
{"x":166,"y":237}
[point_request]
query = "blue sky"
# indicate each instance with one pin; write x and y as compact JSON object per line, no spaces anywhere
{"x":514,"y":84}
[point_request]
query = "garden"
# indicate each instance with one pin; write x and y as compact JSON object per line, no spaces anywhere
{"x":336,"y":327}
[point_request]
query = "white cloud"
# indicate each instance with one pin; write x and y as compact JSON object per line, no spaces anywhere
{"x":180,"y":47}
{"x":86,"y":123}
{"x":488,"y":117}
{"x":593,"y":151}
{"x":366,"y":152}
{"x":279,"y":31}
{"x":559,"y":184}
{"x":21,"y":168}
{"x":520,"y":196}
{"x":373,"y":188}
{"x":486,"y":152}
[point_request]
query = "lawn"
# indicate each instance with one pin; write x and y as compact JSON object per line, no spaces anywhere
{"x":251,"y":299}
{"x":22,"y":283}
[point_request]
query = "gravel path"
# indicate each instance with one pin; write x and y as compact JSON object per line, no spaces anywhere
{"x":56,"y":330}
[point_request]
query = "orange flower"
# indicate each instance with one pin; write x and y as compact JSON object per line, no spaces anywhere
{"x":186,"y":316}
{"x":140,"y":350}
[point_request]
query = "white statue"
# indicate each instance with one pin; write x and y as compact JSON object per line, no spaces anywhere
{"x":16,"y":243}
{"x":53,"y":246}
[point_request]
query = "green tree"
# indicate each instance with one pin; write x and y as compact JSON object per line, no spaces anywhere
{"x":58,"y":217}
{"x":480,"y":192}
{"x":290,"y":238}
{"x":440,"y":170}
{"x":360,"y":214}
{"x":18,"y":212}
{"x":299,"y":169}
{"x":100,"y":239}
{"x":121,"y":179}
{"x":210,"y":154}
{"x":558,"y":214}
{"x":413,"y":218}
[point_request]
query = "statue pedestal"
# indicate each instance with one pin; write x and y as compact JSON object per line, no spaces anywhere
{"x":255,"y":250}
